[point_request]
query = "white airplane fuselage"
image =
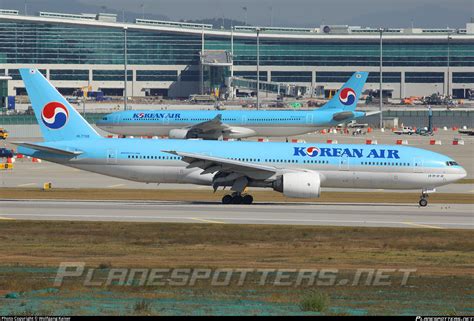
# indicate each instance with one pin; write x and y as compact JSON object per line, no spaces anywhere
{"x":413,"y":169}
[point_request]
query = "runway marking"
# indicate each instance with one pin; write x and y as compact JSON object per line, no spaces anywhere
{"x":27,"y":184}
{"x":206,"y":221}
{"x":248,"y":219}
{"x":422,"y":225}
{"x":6,"y":218}
{"x":116,"y":185}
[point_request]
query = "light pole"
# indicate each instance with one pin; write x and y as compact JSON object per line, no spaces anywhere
{"x":231,"y":85}
{"x":258,"y":67}
{"x":381,"y":80}
{"x":449,"y":62}
{"x":125,"y":68}
{"x":245,"y":12}
{"x":201,"y":80}
{"x":271,"y":16}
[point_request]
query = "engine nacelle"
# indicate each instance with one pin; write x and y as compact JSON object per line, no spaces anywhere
{"x":240,"y":132}
{"x":178,"y":133}
{"x":299,"y":184}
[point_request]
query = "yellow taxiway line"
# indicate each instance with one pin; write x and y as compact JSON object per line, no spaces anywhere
{"x":206,"y":221}
{"x":27,"y":184}
{"x":116,"y":185}
{"x":422,"y":225}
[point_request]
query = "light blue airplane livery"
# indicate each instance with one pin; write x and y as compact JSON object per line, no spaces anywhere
{"x":212,"y":124}
{"x":296,"y":170}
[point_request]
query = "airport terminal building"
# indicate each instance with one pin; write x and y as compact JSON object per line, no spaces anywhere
{"x":172,"y":59}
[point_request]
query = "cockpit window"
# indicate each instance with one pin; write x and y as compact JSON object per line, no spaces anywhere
{"x":105,"y":118}
{"x":452,"y":163}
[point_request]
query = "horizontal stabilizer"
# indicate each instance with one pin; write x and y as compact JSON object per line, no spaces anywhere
{"x":370,"y":113}
{"x":343,"y":115}
{"x":53,"y":150}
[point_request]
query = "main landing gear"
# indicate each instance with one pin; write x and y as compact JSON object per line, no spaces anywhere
{"x":423,"y":199}
{"x":237,"y":198}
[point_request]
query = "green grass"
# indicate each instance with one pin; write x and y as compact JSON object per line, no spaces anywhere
{"x":32,"y":250}
{"x":142,"y":307}
{"x":128,"y":244}
{"x":315,"y":301}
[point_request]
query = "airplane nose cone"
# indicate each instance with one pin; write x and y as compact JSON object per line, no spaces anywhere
{"x":462,"y":172}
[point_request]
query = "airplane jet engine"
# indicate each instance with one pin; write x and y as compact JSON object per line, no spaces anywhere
{"x":178,"y":133}
{"x":299,"y":184}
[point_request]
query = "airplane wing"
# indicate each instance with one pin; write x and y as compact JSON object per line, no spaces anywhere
{"x":228,"y":171}
{"x":214,"y":124}
{"x":49,"y":149}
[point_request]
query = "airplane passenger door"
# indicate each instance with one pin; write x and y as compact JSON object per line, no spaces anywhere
{"x":343,"y":163}
{"x":116,"y":119}
{"x":417,"y":165}
{"x":244,"y":120}
{"x":309,"y":118}
{"x":111,"y":156}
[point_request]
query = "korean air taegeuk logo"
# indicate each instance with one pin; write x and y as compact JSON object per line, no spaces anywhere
{"x":54,"y":115}
{"x":347,"y":96}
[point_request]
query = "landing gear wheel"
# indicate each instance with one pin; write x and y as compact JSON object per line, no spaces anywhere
{"x":423,"y":202}
{"x":237,"y":199}
{"x":227,"y":199}
{"x":247,"y":199}
{"x":423,"y":199}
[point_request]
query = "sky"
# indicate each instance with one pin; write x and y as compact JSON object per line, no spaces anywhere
{"x":284,"y":13}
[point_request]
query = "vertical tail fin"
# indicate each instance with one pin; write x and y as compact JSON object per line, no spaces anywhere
{"x":57,"y":119}
{"x":347,"y":97}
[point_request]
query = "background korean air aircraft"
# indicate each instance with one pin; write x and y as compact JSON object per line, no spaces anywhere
{"x":239,"y":123}
{"x":296,"y":170}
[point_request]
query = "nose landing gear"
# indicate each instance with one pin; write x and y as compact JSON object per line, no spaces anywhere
{"x":424,"y":197}
{"x":423,"y":201}
{"x":237,"y":198}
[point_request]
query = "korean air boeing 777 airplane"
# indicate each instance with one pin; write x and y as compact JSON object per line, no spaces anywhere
{"x":296,"y":170}
{"x":212,"y":125}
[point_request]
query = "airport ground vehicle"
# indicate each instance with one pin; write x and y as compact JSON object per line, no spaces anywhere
{"x":3,"y":133}
{"x":423,"y":132}
{"x":5,"y":153}
{"x":202,"y":99}
{"x":296,"y":170}
{"x":405,"y":131}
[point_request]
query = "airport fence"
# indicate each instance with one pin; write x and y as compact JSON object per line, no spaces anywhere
{"x":25,"y":119}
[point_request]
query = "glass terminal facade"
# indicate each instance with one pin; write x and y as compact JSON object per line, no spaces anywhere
{"x":169,"y":60}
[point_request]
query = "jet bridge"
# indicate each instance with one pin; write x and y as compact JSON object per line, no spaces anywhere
{"x":215,"y":78}
{"x":283,"y":89}
{"x":4,"y":99}
{"x":215,"y":71}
